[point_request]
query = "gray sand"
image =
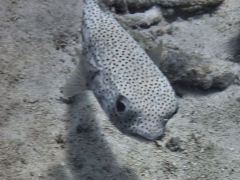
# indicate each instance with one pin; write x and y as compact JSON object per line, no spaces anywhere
{"x":43,"y":137}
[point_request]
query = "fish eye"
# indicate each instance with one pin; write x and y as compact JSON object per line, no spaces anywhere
{"x":121,"y":105}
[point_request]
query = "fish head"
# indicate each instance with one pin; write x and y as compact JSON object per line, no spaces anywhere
{"x":142,"y":115}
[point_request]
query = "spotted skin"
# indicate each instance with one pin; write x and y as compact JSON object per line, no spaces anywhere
{"x":131,"y":89}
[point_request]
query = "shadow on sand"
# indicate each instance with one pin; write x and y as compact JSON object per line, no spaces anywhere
{"x":88,"y":155}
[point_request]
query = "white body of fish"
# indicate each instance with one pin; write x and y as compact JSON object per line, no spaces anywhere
{"x":131,"y":89}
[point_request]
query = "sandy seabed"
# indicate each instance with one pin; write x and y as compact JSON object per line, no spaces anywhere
{"x":44,"y":137}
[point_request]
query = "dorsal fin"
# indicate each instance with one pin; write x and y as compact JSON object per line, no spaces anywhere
{"x":156,"y":53}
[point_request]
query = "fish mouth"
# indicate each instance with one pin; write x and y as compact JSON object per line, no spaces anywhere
{"x":148,"y":133}
{"x":151,"y":135}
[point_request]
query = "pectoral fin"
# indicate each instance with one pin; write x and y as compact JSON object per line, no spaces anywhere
{"x":78,"y":80}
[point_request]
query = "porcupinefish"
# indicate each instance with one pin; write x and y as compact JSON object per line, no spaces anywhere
{"x":131,"y":89}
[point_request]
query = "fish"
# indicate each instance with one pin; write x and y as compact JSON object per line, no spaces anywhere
{"x":137,"y":97}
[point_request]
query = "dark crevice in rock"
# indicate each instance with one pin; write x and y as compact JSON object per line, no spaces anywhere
{"x":185,"y":14}
{"x":234,"y":48}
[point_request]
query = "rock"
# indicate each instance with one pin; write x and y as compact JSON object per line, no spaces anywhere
{"x":141,"y":20}
{"x":195,"y":70}
{"x":173,"y":144}
{"x":135,"y":5}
